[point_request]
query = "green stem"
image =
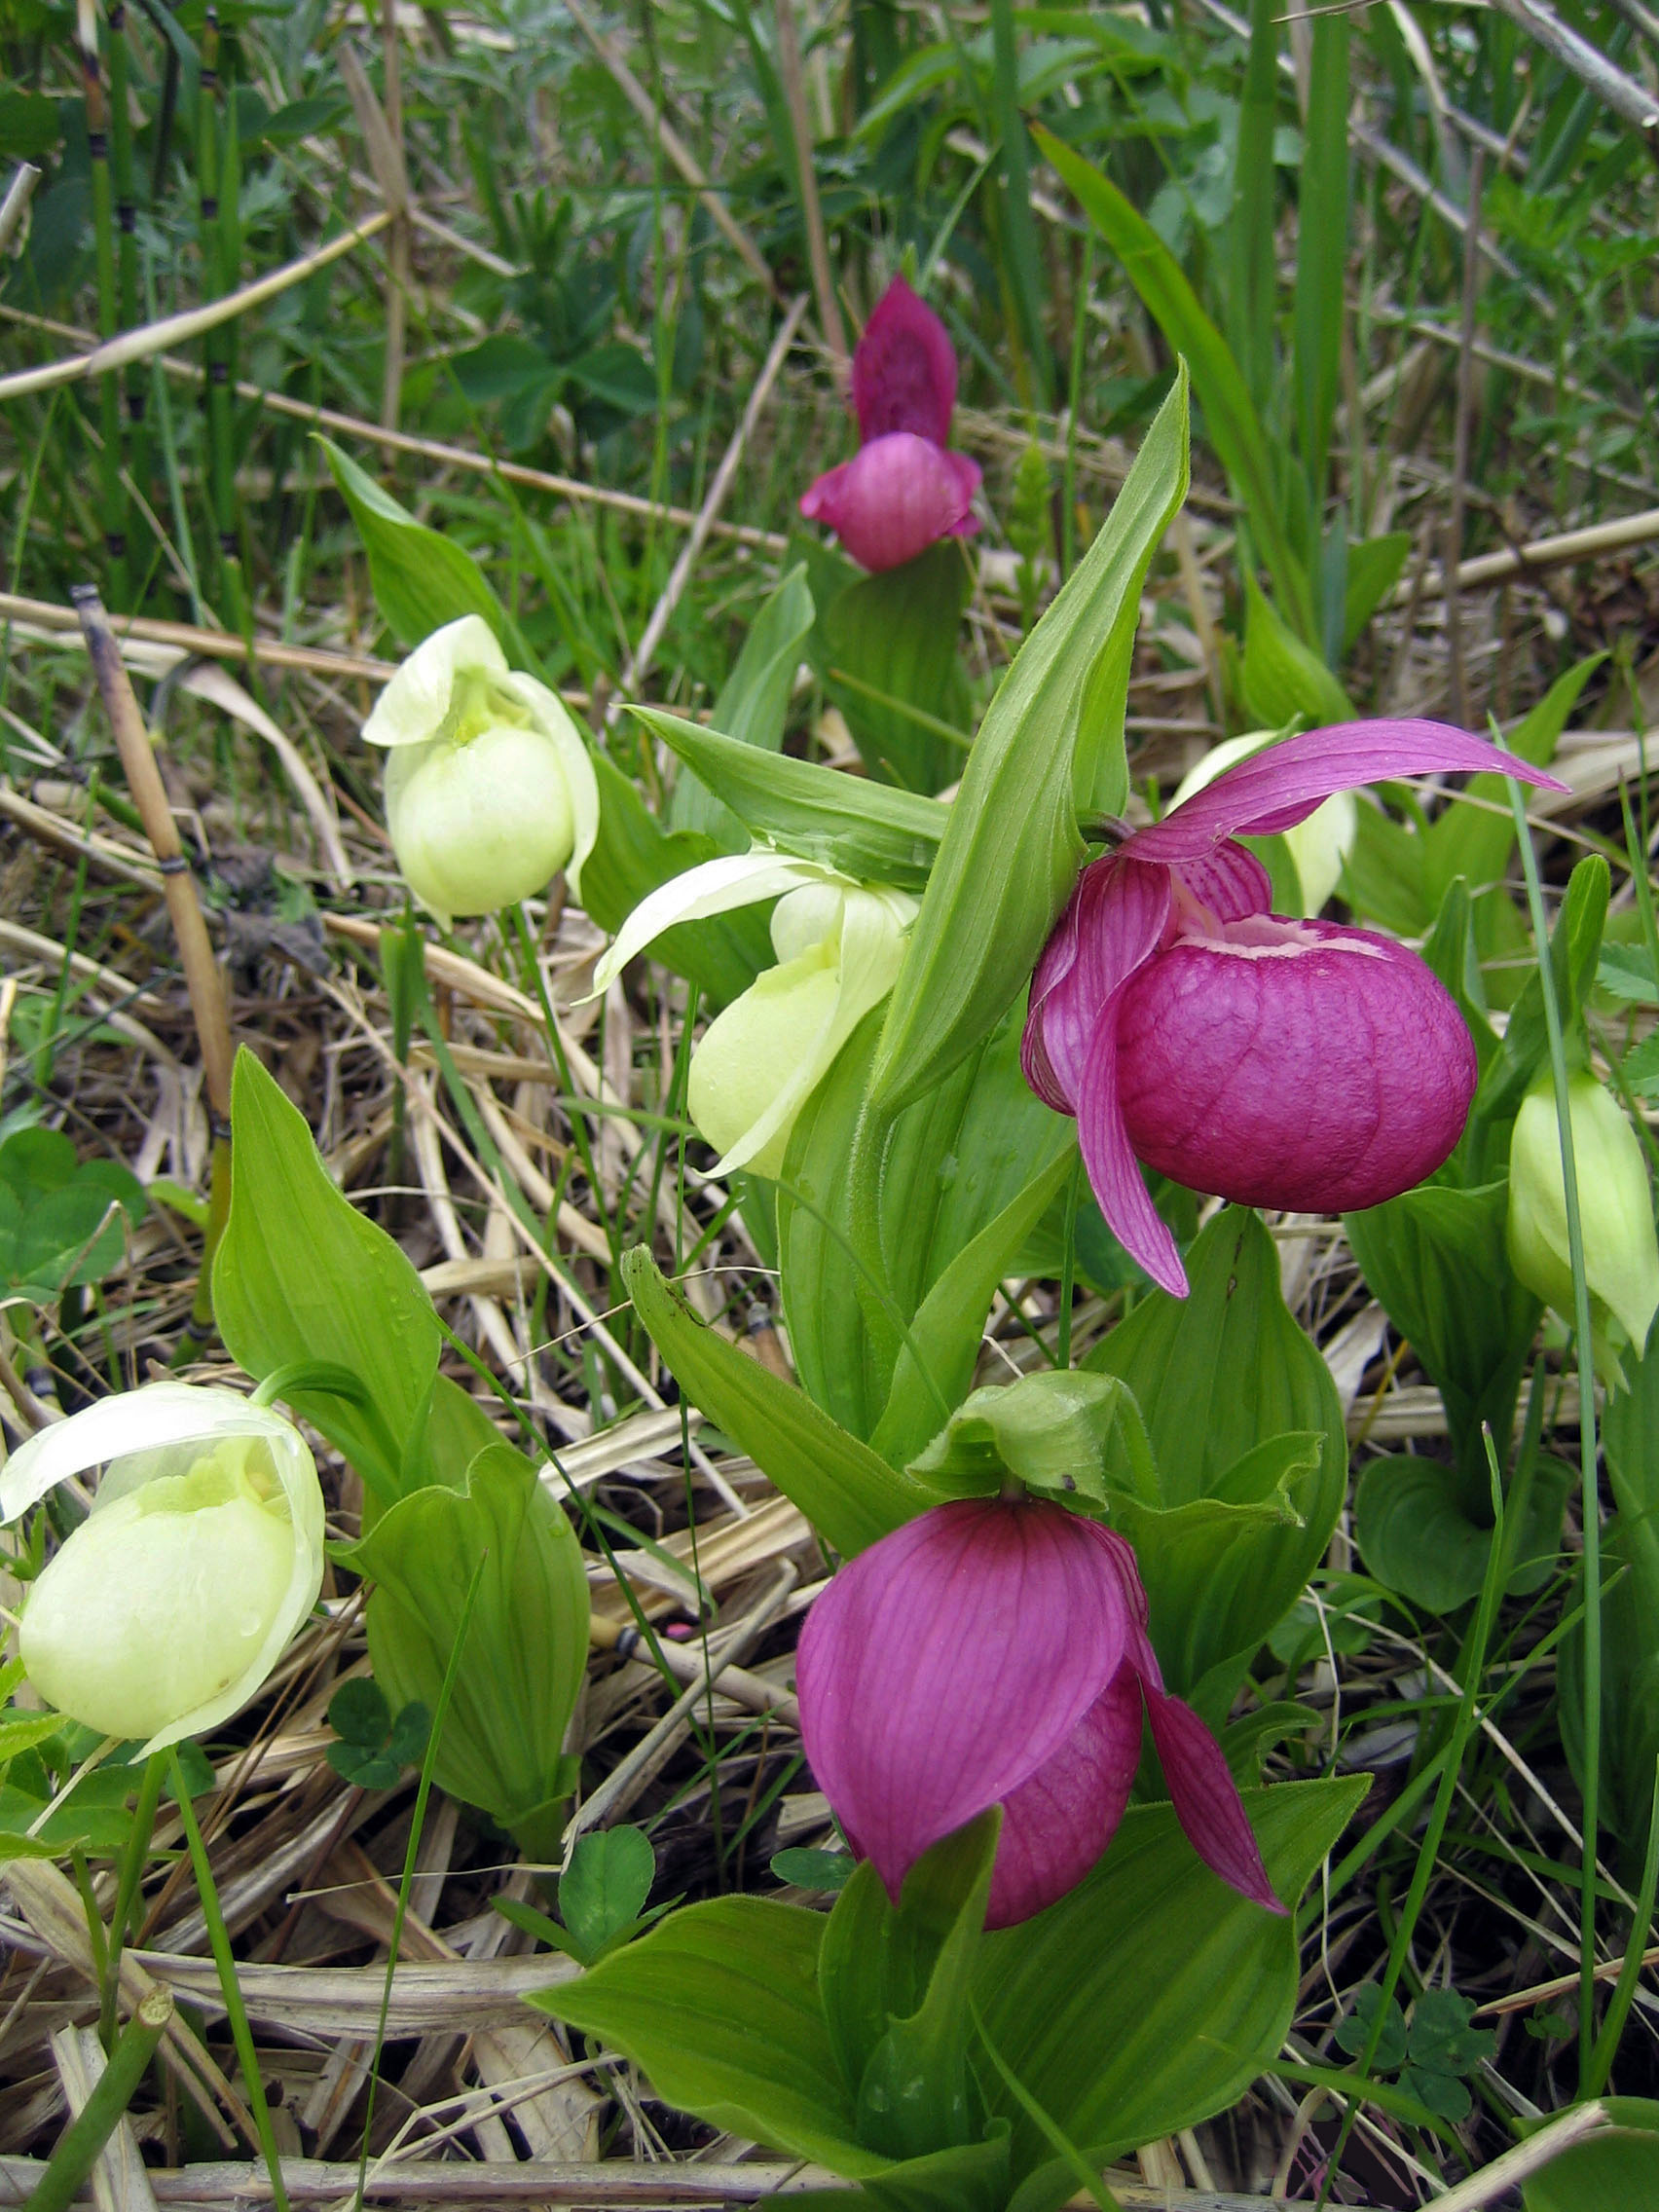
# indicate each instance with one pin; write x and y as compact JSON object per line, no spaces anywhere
{"x":555,"y":1044}
{"x":1590,"y":1506}
{"x":1068,"y":1268}
{"x":138,"y":1850}
{"x":241,"y":2035}
{"x":80,"y":2144}
{"x":1630,"y":1973}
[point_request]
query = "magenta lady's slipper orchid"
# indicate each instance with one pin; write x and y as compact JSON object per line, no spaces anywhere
{"x":993,"y":1652}
{"x":903,"y":490}
{"x":1274,"y":1061}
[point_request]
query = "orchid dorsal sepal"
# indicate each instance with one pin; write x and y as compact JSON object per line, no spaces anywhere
{"x":715,"y":887}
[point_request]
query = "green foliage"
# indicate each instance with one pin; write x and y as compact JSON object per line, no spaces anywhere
{"x":752,"y":706}
{"x":1052,"y":741}
{"x":896,"y":634}
{"x":375,"y":1745}
{"x":63,"y":1222}
{"x":1434,"y":2057}
{"x":1616,"y":2166}
{"x":525,"y":1647}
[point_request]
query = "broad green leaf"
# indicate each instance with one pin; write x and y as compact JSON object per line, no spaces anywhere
{"x":1477,"y":841}
{"x":1374,"y":566}
{"x":872,"y":832}
{"x":1230,"y":419}
{"x":1094,"y":2003}
{"x":1436,"y":1258}
{"x":1576,"y":945}
{"x":301,"y":1277}
{"x":720,"y":2005}
{"x":1612,"y":2171}
{"x":950,"y":1166}
{"x":1252,"y":266}
{"x":752,"y":704}
{"x":1382,"y":875}
{"x":1221,"y":1571}
{"x":1417,"y":1534}
{"x":526,"y":1646}
{"x":1285,"y":681}
{"x":896,"y":634}
{"x":946,"y":1332}
{"x":1226,"y":1368}
{"x":1053,"y":1430}
{"x":842,"y":1487}
{"x":893,"y":1986}
{"x":421,"y":579}
{"x":1052,"y":739}
{"x":603,"y":1888}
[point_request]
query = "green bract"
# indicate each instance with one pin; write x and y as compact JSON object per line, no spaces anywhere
{"x":167,"y":1608}
{"x":1621,"y":1257}
{"x":489,"y":789}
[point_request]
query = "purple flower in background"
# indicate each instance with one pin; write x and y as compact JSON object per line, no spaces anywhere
{"x":903,"y":489}
{"x":995,"y":1653}
{"x":1273,"y":1061}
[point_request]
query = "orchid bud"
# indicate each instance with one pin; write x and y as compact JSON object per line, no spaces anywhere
{"x":1615,"y":1214}
{"x":164,"y":1611}
{"x":1320,"y":846}
{"x":904,"y":490}
{"x":839,"y":946}
{"x":489,"y":788}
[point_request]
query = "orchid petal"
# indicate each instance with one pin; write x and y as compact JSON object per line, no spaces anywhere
{"x":1057,"y":1823}
{"x":1230,"y":882}
{"x":903,"y":369}
{"x":1206,"y":1798}
{"x":1201,"y":1787}
{"x":1113,"y":922}
{"x":948,"y":1663}
{"x":416,"y":697}
{"x":898,"y":495}
{"x":132,"y":1421}
{"x":1275,"y":789}
{"x":1113,"y":1173}
{"x":714,"y":887}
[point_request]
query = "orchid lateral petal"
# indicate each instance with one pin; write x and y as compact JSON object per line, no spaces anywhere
{"x":903,"y":369}
{"x":1206,"y":1798}
{"x":948,"y":1662}
{"x":1113,"y":920}
{"x":1057,"y":1823}
{"x":1280,"y":785}
{"x":1230,"y":882}
{"x":714,"y":887}
{"x":1113,"y":1173}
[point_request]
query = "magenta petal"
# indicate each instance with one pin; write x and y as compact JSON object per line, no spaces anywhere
{"x":1109,"y":1159}
{"x":1113,"y":920}
{"x":1206,"y":1798}
{"x":1281,"y":786}
{"x":1057,"y":1823}
{"x":895,"y":497}
{"x":1230,"y":882}
{"x":1292,"y":1064}
{"x":903,"y":369}
{"x":948,"y":1663}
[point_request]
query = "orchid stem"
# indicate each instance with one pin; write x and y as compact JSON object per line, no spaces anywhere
{"x":218,"y":1937}
{"x":127,"y":1888}
{"x":1589,"y":1508}
{"x":1068,"y":1268}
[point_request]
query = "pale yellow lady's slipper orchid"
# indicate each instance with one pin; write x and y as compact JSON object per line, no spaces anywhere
{"x":163,"y":1612}
{"x":489,"y":788}
{"x":1318,"y":846}
{"x":839,"y":944}
{"x":1615,"y":1213}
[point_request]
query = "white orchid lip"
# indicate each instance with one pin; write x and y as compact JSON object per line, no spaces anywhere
{"x":139,"y":1437}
